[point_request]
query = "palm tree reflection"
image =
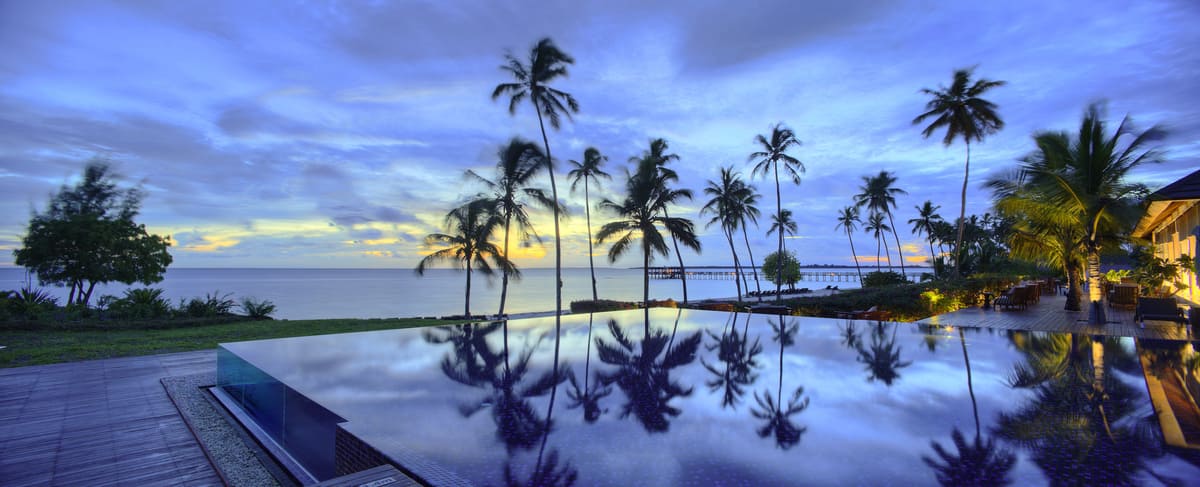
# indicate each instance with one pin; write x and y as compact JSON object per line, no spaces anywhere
{"x":850,"y":337}
{"x":738,"y":354}
{"x":882,"y":360}
{"x":547,"y":472}
{"x":589,"y":397}
{"x":980,"y":462}
{"x":1082,"y":425}
{"x":770,"y":409}
{"x":643,"y":376}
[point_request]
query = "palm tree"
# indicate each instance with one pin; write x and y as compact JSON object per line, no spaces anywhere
{"x":783,"y":222}
{"x":589,"y":169}
{"x":641,"y":214}
{"x":923,"y":223}
{"x":1084,"y":179}
{"x":468,"y":228}
{"x":725,"y":206}
{"x":519,"y":162}
{"x":773,"y":154}
{"x":961,"y":111}
{"x":879,"y":229}
{"x":878,"y":195}
{"x":546,"y":63}
{"x":749,"y":207}
{"x":657,"y":155}
{"x":848,"y":220}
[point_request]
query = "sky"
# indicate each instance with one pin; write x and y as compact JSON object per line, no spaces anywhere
{"x":336,"y":134}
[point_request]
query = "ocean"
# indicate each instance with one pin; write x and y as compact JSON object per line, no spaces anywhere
{"x":386,"y":293}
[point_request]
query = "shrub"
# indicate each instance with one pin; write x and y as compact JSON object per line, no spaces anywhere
{"x":139,"y":304}
{"x":30,"y":304}
{"x":880,"y":279}
{"x":259,"y":310}
{"x":213,"y":304}
{"x":600,"y":305}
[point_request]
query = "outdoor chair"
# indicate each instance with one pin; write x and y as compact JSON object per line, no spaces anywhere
{"x":1018,"y":296}
{"x":1124,"y":297}
{"x":1159,"y":309}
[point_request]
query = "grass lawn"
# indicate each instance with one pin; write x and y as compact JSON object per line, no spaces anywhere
{"x":34,"y":344}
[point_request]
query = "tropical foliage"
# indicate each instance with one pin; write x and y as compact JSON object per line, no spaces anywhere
{"x":774,"y":154}
{"x":467,"y":244}
{"x":589,"y":171}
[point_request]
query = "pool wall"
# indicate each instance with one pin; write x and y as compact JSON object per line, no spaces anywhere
{"x":296,"y":424}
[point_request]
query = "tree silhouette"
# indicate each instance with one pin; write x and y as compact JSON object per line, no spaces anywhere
{"x":773,"y":154}
{"x":882,"y":359}
{"x":960,"y":110}
{"x":588,"y":397}
{"x":467,"y":244}
{"x":879,"y":195}
{"x":777,"y":417}
{"x":923,"y":223}
{"x":848,"y":220}
{"x":644,"y":377}
{"x":729,"y":195}
{"x":658,"y":156}
{"x":589,"y":170}
{"x":738,"y":355}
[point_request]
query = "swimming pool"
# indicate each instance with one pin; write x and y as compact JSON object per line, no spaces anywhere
{"x":698,"y":397}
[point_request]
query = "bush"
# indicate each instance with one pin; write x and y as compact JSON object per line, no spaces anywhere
{"x":214,"y":304}
{"x":138,"y":304}
{"x":259,"y":310}
{"x":880,"y":279}
{"x":600,"y":305}
{"x":30,"y":304}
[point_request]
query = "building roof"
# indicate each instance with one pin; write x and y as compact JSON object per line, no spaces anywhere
{"x":1178,"y":195}
{"x":1186,"y":188}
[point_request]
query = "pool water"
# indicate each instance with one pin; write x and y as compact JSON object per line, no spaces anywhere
{"x":685,"y":397}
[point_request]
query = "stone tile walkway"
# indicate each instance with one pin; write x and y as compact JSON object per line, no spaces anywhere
{"x":100,"y":422}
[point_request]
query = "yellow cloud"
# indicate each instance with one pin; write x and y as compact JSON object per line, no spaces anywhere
{"x":211,"y":244}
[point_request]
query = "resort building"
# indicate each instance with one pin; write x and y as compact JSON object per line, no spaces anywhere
{"x":1172,"y":225}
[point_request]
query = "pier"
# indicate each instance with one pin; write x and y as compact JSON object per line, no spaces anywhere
{"x":810,"y":274}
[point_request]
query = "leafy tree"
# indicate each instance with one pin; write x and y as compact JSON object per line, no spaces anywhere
{"x":848,"y":220}
{"x":878,"y":195}
{"x":927,"y":215}
{"x":584,"y":171}
{"x":789,"y":268}
{"x":960,"y":110}
{"x":726,"y":208}
{"x":1082,"y":180}
{"x":773,"y":154}
{"x":657,"y":154}
{"x":518,"y":162}
{"x":88,"y":236}
{"x":467,"y":244}
{"x":640,"y":215}
{"x":546,"y":63}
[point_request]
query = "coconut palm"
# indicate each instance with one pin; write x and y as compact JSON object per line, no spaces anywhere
{"x":773,"y":154}
{"x":848,"y":220}
{"x":878,"y":229}
{"x":750,"y":213}
{"x":546,"y":63}
{"x":518,"y":163}
{"x":960,"y":110}
{"x":783,"y":222}
{"x":1084,"y":179}
{"x":878,"y":195}
{"x":657,"y":155}
{"x":725,"y":207}
{"x":584,"y":171}
{"x":923,"y":223}
{"x":466,"y":243}
{"x":640,"y":214}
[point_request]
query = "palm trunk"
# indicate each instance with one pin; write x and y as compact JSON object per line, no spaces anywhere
{"x":779,"y":254}
{"x":504,"y":269}
{"x":962,"y":213}
{"x":887,"y":249}
{"x":558,"y":283}
{"x":587,"y":211}
{"x":855,"y":255}
{"x":646,"y":284}
{"x":899,"y":250}
{"x":682,"y":270}
{"x":970,"y":387}
{"x":1096,"y":315}
{"x":878,"y":257}
{"x":736,"y":263}
{"x":753,"y":266}
{"x":931,"y":254}
{"x":467,"y":301}
{"x":1074,"y":290}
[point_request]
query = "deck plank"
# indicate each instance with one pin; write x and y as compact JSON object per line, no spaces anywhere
{"x":1049,"y":315}
{"x":102,"y":422}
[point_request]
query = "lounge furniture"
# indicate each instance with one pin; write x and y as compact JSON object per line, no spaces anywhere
{"x":1124,"y":296}
{"x":1160,"y":309}
{"x":1016,"y":297}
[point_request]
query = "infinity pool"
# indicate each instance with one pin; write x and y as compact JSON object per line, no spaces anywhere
{"x":700,"y":398}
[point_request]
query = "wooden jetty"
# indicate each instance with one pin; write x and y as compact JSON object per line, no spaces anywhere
{"x":811,"y":274}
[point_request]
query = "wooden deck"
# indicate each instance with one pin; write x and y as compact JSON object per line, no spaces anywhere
{"x":1049,"y":315}
{"x":102,"y":422}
